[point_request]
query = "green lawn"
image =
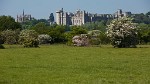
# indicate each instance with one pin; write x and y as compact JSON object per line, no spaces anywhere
{"x":60,"y":64}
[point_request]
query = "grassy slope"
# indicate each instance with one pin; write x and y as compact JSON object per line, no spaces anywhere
{"x":74,"y":65}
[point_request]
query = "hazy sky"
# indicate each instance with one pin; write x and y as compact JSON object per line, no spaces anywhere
{"x":42,"y":8}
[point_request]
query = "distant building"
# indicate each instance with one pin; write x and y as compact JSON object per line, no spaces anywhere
{"x":81,"y":17}
{"x":119,"y":14}
{"x":24,"y":17}
{"x":78,"y":18}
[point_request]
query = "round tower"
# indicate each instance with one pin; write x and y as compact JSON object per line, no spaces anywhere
{"x":58,"y":17}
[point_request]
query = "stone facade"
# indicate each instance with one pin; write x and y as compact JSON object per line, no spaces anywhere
{"x":119,"y":14}
{"x":78,"y":18}
{"x":24,"y":17}
{"x":81,"y":17}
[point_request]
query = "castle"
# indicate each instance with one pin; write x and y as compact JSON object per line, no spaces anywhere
{"x":81,"y":17}
{"x":23,"y":18}
{"x":78,"y":18}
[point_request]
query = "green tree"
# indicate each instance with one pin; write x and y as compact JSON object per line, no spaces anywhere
{"x":142,"y":18}
{"x":57,"y":34}
{"x":98,"y":25}
{"x":144,"y":33}
{"x":122,"y":33}
{"x":75,"y":30}
{"x":7,"y":22}
{"x":41,"y":28}
{"x":51,"y":18}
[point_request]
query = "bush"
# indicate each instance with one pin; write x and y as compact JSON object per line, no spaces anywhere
{"x":28,"y":38}
{"x":122,"y":33}
{"x":94,"y":37}
{"x":44,"y":39}
{"x":1,"y":46}
{"x":95,"y":41}
{"x":80,"y":40}
{"x":10,"y":36}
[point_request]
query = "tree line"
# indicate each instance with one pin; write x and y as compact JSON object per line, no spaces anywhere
{"x":12,"y":32}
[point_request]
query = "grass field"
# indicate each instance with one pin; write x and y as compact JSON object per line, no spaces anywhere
{"x":60,"y":64}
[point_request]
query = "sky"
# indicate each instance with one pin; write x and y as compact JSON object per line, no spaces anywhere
{"x":42,"y":8}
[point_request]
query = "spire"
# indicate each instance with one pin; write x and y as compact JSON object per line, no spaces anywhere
{"x":23,"y":12}
{"x":23,"y":16}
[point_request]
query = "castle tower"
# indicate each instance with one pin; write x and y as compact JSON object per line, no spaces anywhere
{"x":23,"y":16}
{"x":59,"y":17}
{"x":119,"y":13}
{"x":83,"y":17}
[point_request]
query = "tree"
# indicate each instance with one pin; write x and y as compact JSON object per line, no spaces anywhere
{"x":75,"y":30}
{"x":98,"y":25}
{"x":41,"y":28}
{"x":28,"y":38}
{"x":122,"y":32}
{"x":51,"y":18}
{"x":144,"y":33}
{"x":142,"y":18}
{"x":57,"y":34}
{"x":7,"y":22}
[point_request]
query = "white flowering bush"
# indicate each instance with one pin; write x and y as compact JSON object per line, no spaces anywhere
{"x":10,"y":36}
{"x":44,"y":38}
{"x":122,"y":32}
{"x":28,"y":38}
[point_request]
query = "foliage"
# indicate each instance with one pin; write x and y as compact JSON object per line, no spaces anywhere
{"x":7,"y":22}
{"x":10,"y":36}
{"x":75,"y":30}
{"x":44,"y":39}
{"x":1,"y":46}
{"x":96,"y":25}
{"x":29,"y":38}
{"x":41,"y":28}
{"x":51,"y":18}
{"x":142,"y":18}
{"x":97,"y":37}
{"x":31,"y":23}
{"x":94,"y":37}
{"x":144,"y":33}
{"x":57,"y":34}
{"x":122,"y":32}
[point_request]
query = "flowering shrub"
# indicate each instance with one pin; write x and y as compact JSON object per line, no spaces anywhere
{"x":80,"y":40}
{"x":28,"y":38}
{"x":44,"y":39}
{"x":122,"y":32}
{"x":10,"y":36}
